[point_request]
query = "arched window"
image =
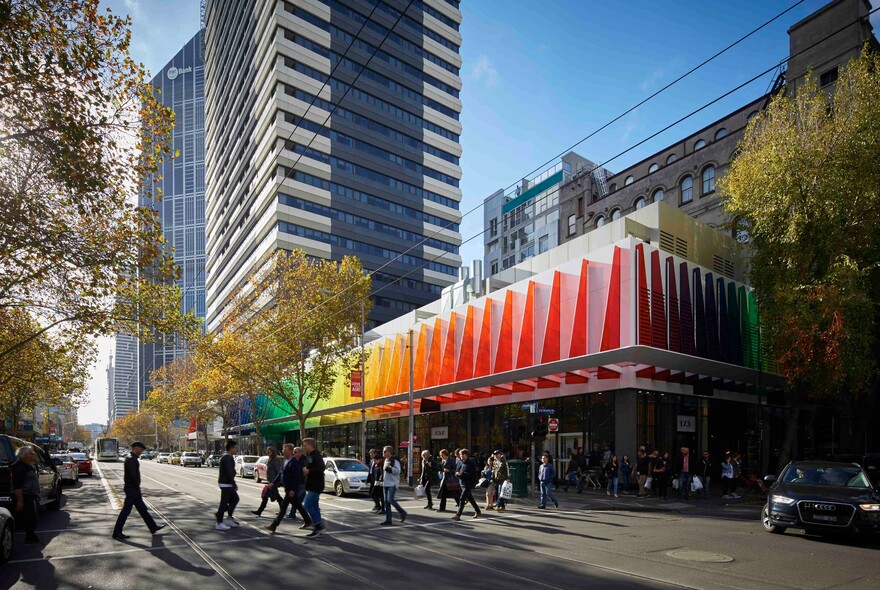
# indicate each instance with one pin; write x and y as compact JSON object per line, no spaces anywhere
{"x":720,"y":133}
{"x":612,"y":187}
{"x":699,"y":145}
{"x":658,"y":195}
{"x":654,"y":168}
{"x":687,"y":189}
{"x":672,"y":158}
{"x":615,"y":214}
{"x":708,"y":179}
{"x":600,"y":221}
{"x":640,"y":202}
{"x":628,"y":181}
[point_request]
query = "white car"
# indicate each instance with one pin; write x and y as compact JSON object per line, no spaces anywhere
{"x":244,"y":465}
{"x":68,"y":468}
{"x":345,"y":476}
{"x":162,"y":457}
{"x":190,"y":458}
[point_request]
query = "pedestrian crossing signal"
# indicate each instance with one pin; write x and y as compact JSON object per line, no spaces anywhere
{"x":540,"y":425}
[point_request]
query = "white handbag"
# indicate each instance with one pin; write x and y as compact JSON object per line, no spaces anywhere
{"x":649,"y":482}
{"x":507,"y":490}
{"x":419,"y":492}
{"x":696,"y":484}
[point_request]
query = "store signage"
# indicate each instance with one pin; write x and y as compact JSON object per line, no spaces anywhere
{"x":687,"y":424}
{"x":440,"y":433}
{"x":553,"y":425}
{"x":356,"y":380}
{"x":173,"y":72}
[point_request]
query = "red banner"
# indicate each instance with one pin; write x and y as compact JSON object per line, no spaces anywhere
{"x":356,"y":381}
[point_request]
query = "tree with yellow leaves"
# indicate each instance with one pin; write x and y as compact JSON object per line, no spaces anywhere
{"x":807,"y":186}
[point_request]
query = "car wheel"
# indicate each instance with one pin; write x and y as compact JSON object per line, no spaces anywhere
{"x":765,"y":520}
{"x":241,"y":473}
{"x":338,"y":489}
{"x":56,"y":503}
{"x":6,"y":542}
{"x":257,"y":476}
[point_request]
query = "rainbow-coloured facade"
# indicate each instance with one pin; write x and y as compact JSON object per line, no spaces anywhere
{"x":628,"y":307}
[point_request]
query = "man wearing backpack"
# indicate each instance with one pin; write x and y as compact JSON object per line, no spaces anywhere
{"x":429,"y":477}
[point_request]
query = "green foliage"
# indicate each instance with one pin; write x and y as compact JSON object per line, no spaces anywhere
{"x":807,"y":183}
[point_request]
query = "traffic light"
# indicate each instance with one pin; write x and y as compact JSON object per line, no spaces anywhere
{"x":539,"y":426}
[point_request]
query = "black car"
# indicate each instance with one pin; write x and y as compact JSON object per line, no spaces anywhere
{"x":47,"y":473}
{"x":821,"y":497}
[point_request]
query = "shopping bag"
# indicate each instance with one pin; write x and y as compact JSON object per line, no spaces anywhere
{"x":648,"y":483}
{"x":696,"y":484}
{"x":507,"y":490}
{"x":265,"y":493}
{"x":675,"y":484}
{"x":419,"y":492}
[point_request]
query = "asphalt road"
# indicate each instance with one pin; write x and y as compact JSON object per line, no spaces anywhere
{"x":574,"y":547}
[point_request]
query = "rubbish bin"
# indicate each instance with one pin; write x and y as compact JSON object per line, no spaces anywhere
{"x":519,"y":477}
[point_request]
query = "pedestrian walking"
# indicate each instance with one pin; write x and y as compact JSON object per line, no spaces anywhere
{"x":660,"y":473}
{"x":26,"y":491}
{"x":625,"y":473}
{"x":704,"y":470}
{"x":612,"y":473}
{"x":375,"y":481}
{"x":642,"y":468}
{"x":289,"y":476}
{"x":228,"y":488}
{"x":270,"y":492}
{"x":736,"y":461}
{"x":546,"y":476}
{"x":490,"y":488}
{"x":314,"y":472}
{"x":500,"y":474}
{"x":728,"y":481}
{"x":467,"y":476}
{"x":449,"y":484}
{"x":428,"y":477}
{"x":390,"y":481}
{"x":682,"y":472}
{"x":133,"y":497}
{"x":573,"y":473}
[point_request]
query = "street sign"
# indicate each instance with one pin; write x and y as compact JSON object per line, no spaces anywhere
{"x":546,"y":411}
{"x":553,"y":425}
{"x":530,"y":407}
{"x":356,"y":384}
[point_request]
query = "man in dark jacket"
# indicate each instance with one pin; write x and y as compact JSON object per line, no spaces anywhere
{"x":314,"y":472}
{"x":290,"y":477}
{"x":428,"y":477}
{"x":467,"y":476}
{"x":375,"y":481}
{"x":448,"y":482}
{"x":133,"y":497}
{"x":26,"y":491}
{"x":704,"y":469}
{"x":228,"y":488}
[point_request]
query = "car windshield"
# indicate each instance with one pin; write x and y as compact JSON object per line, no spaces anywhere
{"x":350,"y":465}
{"x":80,"y":456}
{"x":249,"y":459}
{"x":190,"y":454}
{"x":65,"y":458}
{"x":850,"y":477}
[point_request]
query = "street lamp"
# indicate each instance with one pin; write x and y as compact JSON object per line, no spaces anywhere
{"x":363,"y":391}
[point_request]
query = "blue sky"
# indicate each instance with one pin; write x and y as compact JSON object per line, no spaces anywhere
{"x":539,"y":76}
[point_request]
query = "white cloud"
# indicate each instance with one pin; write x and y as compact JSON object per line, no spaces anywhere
{"x":484,"y":71}
{"x":655,"y":77}
{"x":631,"y":124}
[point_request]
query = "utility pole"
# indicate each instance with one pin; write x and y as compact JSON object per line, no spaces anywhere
{"x":363,"y":391}
{"x":409,"y":447}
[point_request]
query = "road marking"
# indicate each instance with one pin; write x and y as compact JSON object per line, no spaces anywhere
{"x":111,"y":493}
{"x":134,"y":550}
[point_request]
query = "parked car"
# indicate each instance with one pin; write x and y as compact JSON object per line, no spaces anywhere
{"x":162,"y":457}
{"x":7,"y":535}
{"x":148,"y":455}
{"x":174,"y":459}
{"x":821,"y":497}
{"x":191,"y":459}
{"x":244,"y":465}
{"x":68,"y":468}
{"x":345,"y":476}
{"x":47,"y":472}
{"x":260,"y":468}
{"x":214,"y":460}
{"x":83,"y":463}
